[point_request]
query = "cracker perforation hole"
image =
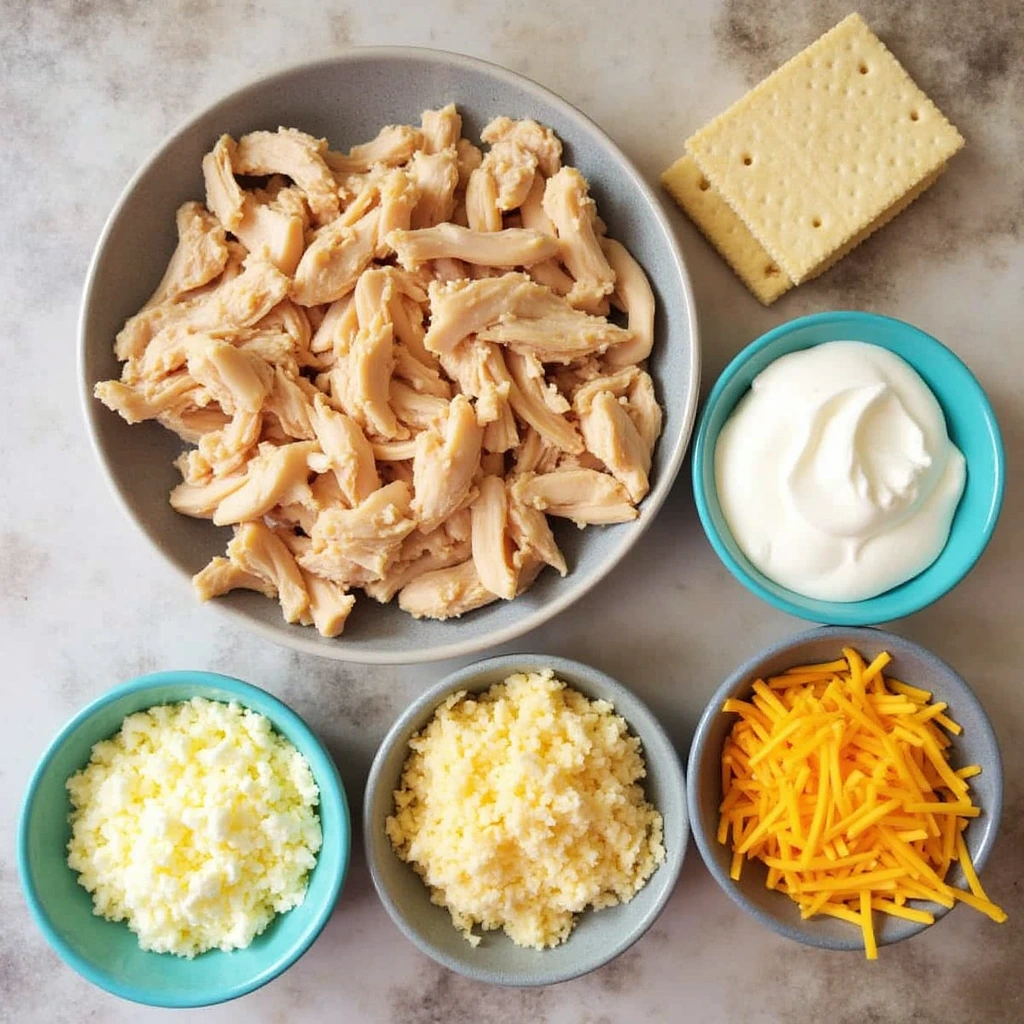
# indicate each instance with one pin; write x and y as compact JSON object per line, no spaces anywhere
{"x":747,"y":159}
{"x":863,"y":68}
{"x":816,"y":222}
{"x":915,"y":116}
{"x":771,"y":270}
{"x":704,"y":184}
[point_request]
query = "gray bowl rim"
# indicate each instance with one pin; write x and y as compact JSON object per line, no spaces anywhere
{"x":706,"y":840}
{"x":574,"y":589}
{"x":330,"y":784}
{"x":641,"y":721}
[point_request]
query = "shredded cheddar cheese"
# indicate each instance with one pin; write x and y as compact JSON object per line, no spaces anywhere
{"x":838,"y":780}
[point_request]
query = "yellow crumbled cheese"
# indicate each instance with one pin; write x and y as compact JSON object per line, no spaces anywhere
{"x":838,"y":780}
{"x":195,"y":824}
{"x":522,"y":806}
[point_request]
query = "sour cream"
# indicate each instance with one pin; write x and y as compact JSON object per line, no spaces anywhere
{"x":835,"y":472}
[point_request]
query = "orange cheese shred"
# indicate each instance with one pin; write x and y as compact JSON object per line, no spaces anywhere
{"x":838,"y":779}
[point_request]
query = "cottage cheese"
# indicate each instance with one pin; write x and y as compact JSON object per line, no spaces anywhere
{"x":521,"y":806}
{"x":195,"y":824}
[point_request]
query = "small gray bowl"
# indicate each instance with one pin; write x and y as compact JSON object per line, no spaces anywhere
{"x":911,"y":664}
{"x":599,"y":936}
{"x":347,"y":99}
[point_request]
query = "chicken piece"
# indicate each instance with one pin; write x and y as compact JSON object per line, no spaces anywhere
{"x":511,"y":247}
{"x":367,"y":199}
{"x":276,"y":236}
{"x":513,"y":310}
{"x":297,"y":155}
{"x":228,"y":450}
{"x":394,"y":145}
{"x":482,"y":212}
{"x":145,"y":399}
{"x":479,"y":369}
{"x":224,"y":196}
{"x":398,"y":198}
{"x":467,"y":159}
{"x":419,"y":554}
{"x":200,"y":255}
{"x":644,"y":410}
{"x":436,"y":175}
{"x":418,"y":410}
{"x":370,"y":534}
{"x":338,"y":328}
{"x":545,"y":326}
{"x":534,"y":138}
{"x":513,"y":170}
{"x":420,"y":376}
{"x":583,"y":381}
{"x":540,"y":404}
{"x":440,"y":129}
{"x":329,"y":604}
{"x":531,"y":534}
{"x":529,"y":451}
{"x":235,"y":380}
{"x":287,"y":200}
{"x":221,"y":575}
{"x":290,"y":403}
{"x":226,"y":308}
{"x":348,"y":452}
{"x":201,"y":500}
{"x":445,"y":593}
{"x":462,"y":308}
{"x":371,"y":361}
{"x":333,"y":261}
{"x":258,"y":551}
{"x":583,"y":495}
{"x":445,"y":463}
{"x":449,"y":270}
{"x":492,"y":550}
{"x":568,"y":204}
{"x":394,"y":451}
{"x":633,"y":293}
{"x":274,"y":476}
{"x":610,"y":435}
{"x":191,"y":422}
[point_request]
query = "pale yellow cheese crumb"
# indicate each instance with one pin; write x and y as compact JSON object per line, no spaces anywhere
{"x":522,"y":806}
{"x":195,"y":824}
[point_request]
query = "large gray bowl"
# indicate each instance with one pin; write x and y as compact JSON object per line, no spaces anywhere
{"x":912,"y":664}
{"x":347,"y":99}
{"x":599,"y":936}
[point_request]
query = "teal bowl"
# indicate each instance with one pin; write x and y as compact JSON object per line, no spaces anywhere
{"x":107,"y":953}
{"x":971,"y":424}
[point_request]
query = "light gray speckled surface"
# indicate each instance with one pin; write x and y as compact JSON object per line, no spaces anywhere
{"x":87,"y":89}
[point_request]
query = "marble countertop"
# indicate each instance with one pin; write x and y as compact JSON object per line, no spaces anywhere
{"x":89,"y":87}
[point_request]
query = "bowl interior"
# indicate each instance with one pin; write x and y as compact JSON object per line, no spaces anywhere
{"x":598,"y":936}
{"x":911,"y":664}
{"x":107,"y":953}
{"x":970,"y":422}
{"x":348,"y":99}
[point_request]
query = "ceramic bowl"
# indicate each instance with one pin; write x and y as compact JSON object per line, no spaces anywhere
{"x":912,"y":664}
{"x":348,"y":98}
{"x":107,"y":953}
{"x":599,"y":936}
{"x":971,"y":424}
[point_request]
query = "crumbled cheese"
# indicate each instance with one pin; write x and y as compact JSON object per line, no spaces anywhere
{"x":195,"y":824}
{"x":521,"y":806}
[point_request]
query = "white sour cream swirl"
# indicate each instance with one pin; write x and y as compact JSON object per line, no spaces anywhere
{"x":835,"y":472}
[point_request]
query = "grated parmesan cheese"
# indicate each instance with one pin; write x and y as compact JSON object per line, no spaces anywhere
{"x":522,"y":806}
{"x":195,"y":824}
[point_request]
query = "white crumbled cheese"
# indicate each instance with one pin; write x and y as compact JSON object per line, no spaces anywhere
{"x":195,"y":824}
{"x":522,"y":806}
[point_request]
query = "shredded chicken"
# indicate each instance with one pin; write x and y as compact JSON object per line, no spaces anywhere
{"x":393,"y":364}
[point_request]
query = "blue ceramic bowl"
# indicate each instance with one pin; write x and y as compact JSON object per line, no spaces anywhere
{"x":972,"y":427}
{"x":599,"y":936}
{"x":108,"y":954}
{"x":912,"y":664}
